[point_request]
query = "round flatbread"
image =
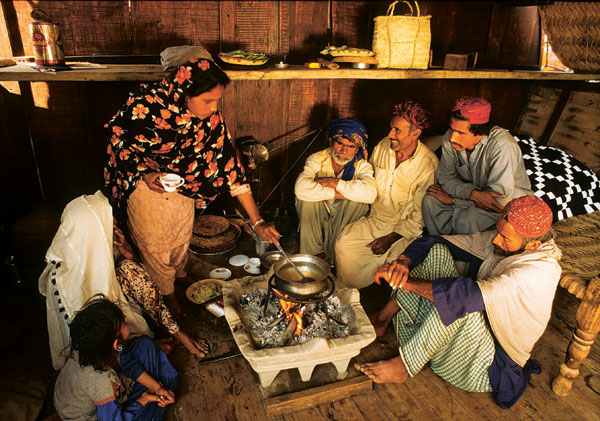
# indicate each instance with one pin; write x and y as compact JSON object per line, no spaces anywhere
{"x":210,"y":225}
{"x":216,"y":243}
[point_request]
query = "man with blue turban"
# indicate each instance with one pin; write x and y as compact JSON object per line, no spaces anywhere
{"x":335,"y":188}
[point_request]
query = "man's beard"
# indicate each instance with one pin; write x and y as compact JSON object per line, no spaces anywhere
{"x":504,"y":253}
{"x":339,"y":158}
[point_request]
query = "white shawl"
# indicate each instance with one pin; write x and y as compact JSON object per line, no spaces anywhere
{"x":517,"y":291}
{"x":83,"y":251}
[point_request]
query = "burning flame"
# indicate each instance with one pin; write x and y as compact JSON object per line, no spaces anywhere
{"x":288,"y":308}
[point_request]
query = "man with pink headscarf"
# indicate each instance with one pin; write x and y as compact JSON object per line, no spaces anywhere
{"x":480,"y":171}
{"x":404,"y":168}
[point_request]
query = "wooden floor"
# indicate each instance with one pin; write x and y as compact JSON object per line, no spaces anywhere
{"x":230,"y":390}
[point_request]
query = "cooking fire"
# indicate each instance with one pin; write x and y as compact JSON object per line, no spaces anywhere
{"x":285,"y":322}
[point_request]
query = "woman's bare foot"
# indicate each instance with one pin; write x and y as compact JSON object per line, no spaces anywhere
{"x":389,"y":371}
{"x":174,"y":306}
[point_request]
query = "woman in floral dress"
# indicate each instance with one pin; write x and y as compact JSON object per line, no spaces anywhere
{"x":174,"y":127}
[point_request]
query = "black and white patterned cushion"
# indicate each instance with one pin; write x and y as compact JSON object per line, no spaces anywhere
{"x":564,"y":183}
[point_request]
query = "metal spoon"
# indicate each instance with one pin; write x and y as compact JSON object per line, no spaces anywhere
{"x":304,"y":278}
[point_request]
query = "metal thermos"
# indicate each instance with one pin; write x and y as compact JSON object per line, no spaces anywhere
{"x":47,"y":44}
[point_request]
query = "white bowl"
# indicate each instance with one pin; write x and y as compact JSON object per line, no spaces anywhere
{"x":254,"y":270}
{"x":254,"y":261}
{"x":220,"y":273}
{"x":238,"y":260}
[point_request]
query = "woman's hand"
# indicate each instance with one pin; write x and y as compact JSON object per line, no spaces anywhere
{"x":267,"y":231}
{"x":198,"y":348}
{"x":153,"y":182}
{"x":161,"y":396}
{"x":165,"y":396}
{"x":121,"y":243}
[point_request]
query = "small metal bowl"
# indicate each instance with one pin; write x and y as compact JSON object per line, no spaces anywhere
{"x":281,"y":65}
{"x":361,"y":65}
{"x":269,"y":258}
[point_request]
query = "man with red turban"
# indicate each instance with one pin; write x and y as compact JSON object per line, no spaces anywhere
{"x":480,"y":171}
{"x":477,"y":330}
{"x":404,"y":168}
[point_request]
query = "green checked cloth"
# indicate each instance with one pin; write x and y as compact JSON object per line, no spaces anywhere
{"x":460,"y":353}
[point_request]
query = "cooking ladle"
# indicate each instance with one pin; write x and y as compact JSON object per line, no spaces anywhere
{"x":304,"y":278}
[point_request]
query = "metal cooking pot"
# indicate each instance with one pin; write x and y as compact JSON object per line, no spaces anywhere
{"x":287,"y":280}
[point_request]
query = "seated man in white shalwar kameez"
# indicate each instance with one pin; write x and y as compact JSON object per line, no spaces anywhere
{"x":335,"y":188}
{"x":404,"y":168}
{"x":476,"y":331}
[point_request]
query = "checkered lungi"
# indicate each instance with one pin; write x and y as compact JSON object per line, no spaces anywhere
{"x":460,"y":353}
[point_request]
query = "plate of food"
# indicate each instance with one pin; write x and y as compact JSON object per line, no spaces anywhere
{"x":244,"y":58}
{"x":345,"y":51}
{"x":205,"y":290}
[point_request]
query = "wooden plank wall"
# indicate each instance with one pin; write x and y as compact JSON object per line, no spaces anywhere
{"x":66,"y":120}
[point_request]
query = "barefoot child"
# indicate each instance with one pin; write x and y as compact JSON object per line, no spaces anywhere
{"x":109,"y":377}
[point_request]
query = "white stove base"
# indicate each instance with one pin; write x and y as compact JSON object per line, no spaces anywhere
{"x":269,"y":362}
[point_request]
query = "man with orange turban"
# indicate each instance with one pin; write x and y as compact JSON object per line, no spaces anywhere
{"x":477,"y":330}
{"x":404,"y":168}
{"x":480,"y":171}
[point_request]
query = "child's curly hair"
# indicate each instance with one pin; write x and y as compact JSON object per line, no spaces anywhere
{"x":93,"y":333}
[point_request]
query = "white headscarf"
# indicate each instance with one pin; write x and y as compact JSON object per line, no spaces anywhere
{"x":517,"y":291}
{"x":81,"y":264}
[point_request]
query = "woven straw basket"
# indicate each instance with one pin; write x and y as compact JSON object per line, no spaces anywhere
{"x":573,"y":29}
{"x":402,"y":42}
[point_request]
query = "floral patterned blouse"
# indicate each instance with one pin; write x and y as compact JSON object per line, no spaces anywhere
{"x":138,"y":288}
{"x":155,"y":132}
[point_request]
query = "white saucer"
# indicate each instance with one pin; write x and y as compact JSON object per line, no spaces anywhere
{"x":220,"y":273}
{"x":238,"y":260}
{"x":254,"y":270}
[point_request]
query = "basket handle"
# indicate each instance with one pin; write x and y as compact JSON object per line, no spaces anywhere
{"x":391,"y":7}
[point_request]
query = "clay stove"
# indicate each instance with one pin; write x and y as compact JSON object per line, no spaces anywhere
{"x":269,"y":362}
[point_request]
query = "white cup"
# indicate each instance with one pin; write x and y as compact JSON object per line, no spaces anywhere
{"x":170,"y":182}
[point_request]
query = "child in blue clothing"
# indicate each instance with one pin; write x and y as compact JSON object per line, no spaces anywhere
{"x":110,"y":376}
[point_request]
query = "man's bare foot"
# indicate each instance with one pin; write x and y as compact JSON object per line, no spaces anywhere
{"x":382,"y":319}
{"x":379,"y":325}
{"x":174,"y":305}
{"x":390,"y":371}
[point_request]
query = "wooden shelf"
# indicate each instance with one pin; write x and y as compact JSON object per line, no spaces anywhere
{"x":154,"y":72}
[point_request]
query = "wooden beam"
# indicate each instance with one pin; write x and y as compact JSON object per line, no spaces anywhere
{"x":154,"y":72}
{"x":318,"y":395}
